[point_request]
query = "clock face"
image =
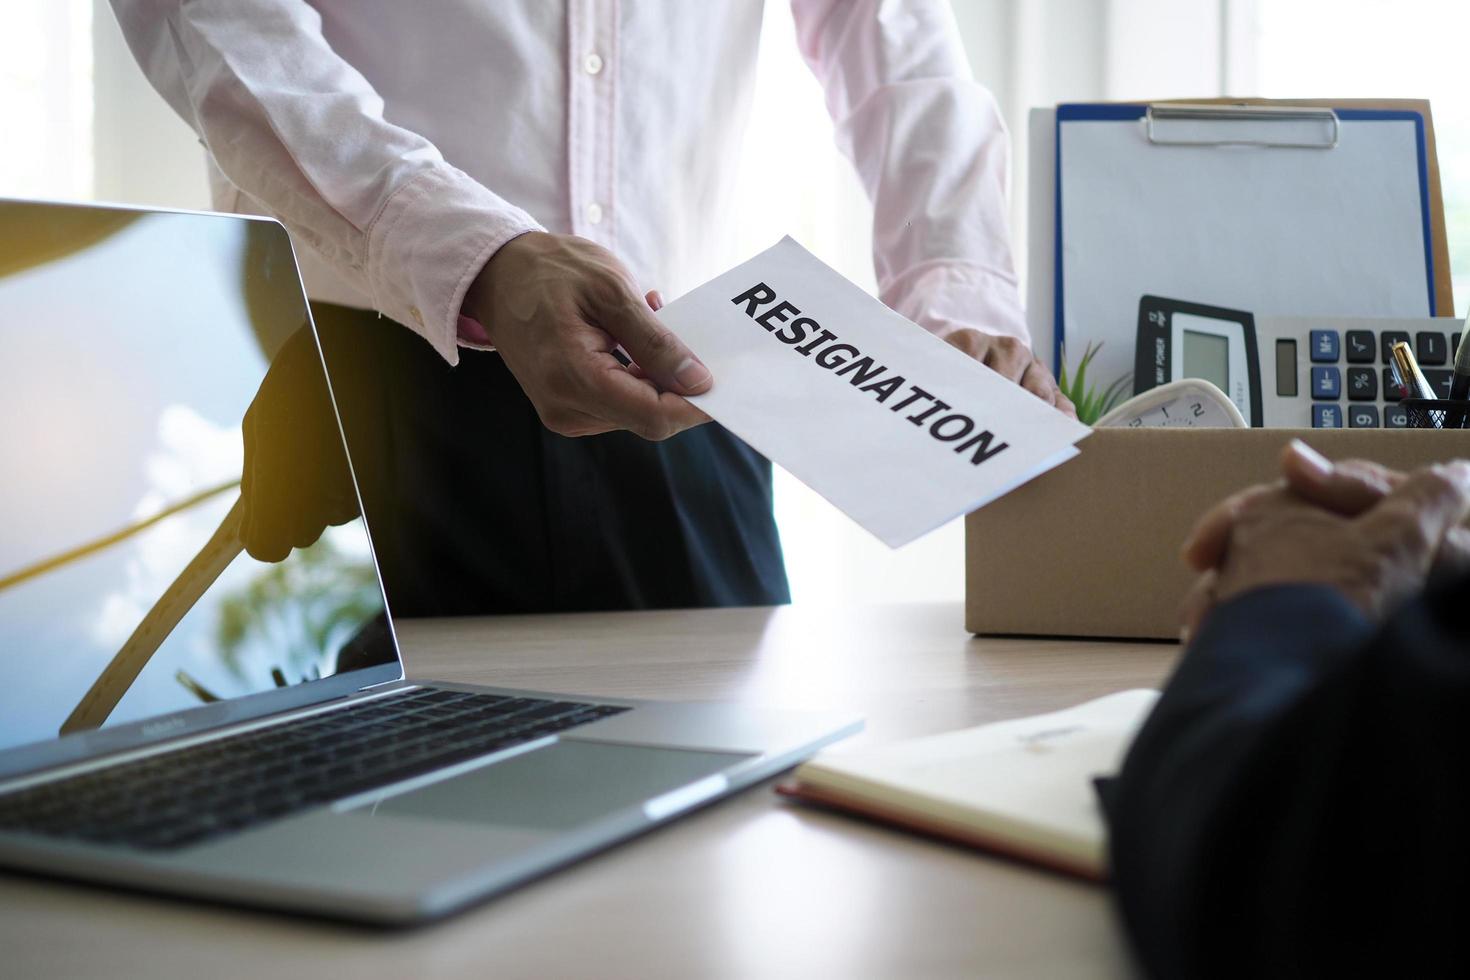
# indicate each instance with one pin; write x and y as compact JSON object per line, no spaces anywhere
{"x":1185,"y":412}
{"x":1190,"y":403}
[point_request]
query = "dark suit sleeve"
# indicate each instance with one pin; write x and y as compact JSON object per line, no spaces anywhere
{"x":1296,"y":804}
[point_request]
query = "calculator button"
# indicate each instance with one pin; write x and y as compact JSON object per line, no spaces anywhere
{"x":1324,"y":346}
{"x":1431,"y":348}
{"x":1360,"y":346}
{"x":1362,"y":416}
{"x":1391,"y":390}
{"x":1440,"y":380}
{"x":1388,"y":338}
{"x":1326,"y":417}
{"x":1395,"y":417}
{"x":1362,"y":384}
{"x":1326,"y":382}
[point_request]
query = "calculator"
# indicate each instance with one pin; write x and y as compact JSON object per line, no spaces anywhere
{"x":1292,"y":372}
{"x":1336,"y":372}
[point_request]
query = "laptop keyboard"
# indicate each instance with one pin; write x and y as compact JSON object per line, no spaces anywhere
{"x":221,"y":786}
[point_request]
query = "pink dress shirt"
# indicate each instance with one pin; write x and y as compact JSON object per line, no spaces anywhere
{"x":404,"y":142}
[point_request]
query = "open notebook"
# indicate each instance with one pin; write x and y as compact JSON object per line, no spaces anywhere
{"x":1022,"y":788}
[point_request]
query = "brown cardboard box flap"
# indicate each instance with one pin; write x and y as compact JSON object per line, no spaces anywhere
{"x":1091,"y":548}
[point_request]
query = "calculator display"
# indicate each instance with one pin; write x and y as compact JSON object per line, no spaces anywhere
{"x":1207,"y":355}
{"x":1286,"y":368}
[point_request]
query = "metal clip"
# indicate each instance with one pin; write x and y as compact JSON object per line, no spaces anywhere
{"x":1243,"y":113}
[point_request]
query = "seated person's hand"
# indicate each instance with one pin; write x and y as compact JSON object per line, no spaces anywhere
{"x":1348,"y":488}
{"x":556,"y":307}
{"x":1370,"y":532}
{"x":1012,"y":359}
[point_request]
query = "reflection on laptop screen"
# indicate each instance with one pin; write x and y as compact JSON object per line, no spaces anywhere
{"x":150,"y":361}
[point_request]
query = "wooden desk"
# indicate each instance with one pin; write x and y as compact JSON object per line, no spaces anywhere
{"x":751,"y":887}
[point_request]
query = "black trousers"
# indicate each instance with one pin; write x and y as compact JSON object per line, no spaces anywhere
{"x":475,"y":507}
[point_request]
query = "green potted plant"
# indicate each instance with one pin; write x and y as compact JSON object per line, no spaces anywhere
{"x":1092,"y":402}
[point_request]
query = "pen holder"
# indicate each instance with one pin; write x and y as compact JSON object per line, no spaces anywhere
{"x":1442,"y":413}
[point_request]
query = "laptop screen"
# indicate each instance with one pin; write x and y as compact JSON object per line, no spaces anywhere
{"x":180,"y":525}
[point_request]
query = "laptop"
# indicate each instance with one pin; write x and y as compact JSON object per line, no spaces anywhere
{"x":204,"y":695}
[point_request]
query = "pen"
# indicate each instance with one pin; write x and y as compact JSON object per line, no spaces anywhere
{"x":1460,"y":384}
{"x":1406,"y":367}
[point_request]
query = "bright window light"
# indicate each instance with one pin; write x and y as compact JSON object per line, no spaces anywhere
{"x":1382,"y":49}
{"x":46,"y":98}
{"x":810,"y":191}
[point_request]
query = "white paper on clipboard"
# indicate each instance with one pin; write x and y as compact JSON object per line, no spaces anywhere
{"x":1275,"y":230}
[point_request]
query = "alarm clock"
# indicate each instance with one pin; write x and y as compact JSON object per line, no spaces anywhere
{"x":1189,"y":403}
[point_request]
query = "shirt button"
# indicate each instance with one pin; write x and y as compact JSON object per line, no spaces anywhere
{"x":594,"y":213}
{"x":413,"y":311}
{"x":592,"y":64}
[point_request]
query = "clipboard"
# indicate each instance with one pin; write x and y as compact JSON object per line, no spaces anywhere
{"x":1364,"y":168}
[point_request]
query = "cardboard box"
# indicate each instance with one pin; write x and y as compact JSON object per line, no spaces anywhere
{"x":1091,"y":548}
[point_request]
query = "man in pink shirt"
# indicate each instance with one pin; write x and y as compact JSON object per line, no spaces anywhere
{"x":518,"y":176}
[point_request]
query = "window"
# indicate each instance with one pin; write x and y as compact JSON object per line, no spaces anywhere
{"x":46,"y":98}
{"x":810,"y":192}
{"x":1381,"y":49}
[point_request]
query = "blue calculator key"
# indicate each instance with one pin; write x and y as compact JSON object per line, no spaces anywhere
{"x":1362,"y":416}
{"x":1326,"y":382}
{"x":1395,"y":417}
{"x":1324,"y":346}
{"x":1326,"y":416}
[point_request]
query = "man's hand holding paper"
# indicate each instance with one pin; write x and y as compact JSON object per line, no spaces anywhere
{"x":1011,"y":358}
{"x":558,"y":308}
{"x":899,"y":429}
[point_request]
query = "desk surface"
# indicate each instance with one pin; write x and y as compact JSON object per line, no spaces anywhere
{"x":753,"y":886}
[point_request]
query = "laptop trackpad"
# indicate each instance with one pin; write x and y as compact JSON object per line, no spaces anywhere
{"x":558,"y":787}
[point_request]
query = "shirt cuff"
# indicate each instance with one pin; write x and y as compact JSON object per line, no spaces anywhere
{"x":946,"y":296}
{"x":472,"y":334}
{"x":432,"y":237}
